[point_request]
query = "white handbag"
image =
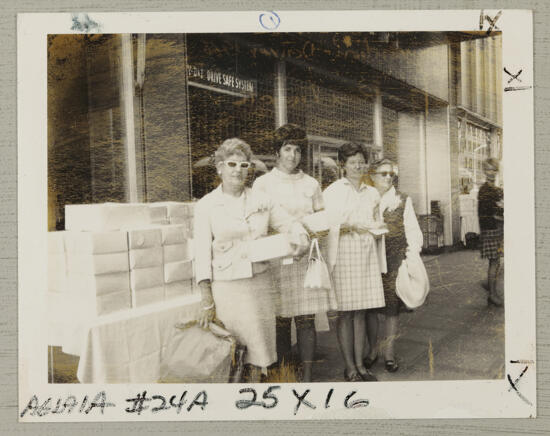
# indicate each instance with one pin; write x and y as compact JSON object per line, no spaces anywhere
{"x":412,"y":284}
{"x":317,"y":276}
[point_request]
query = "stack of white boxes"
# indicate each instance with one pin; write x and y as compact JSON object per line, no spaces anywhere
{"x":115,"y":257}
{"x":97,"y":270}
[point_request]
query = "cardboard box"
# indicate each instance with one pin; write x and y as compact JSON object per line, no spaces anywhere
{"x":96,"y":242}
{"x":144,"y":237}
{"x":270,"y":247}
{"x":174,"y":234}
{"x":178,"y":289}
{"x":175,"y":253}
{"x":95,"y":264}
{"x":177,"y":271}
{"x":143,"y":278}
{"x":141,"y":297}
{"x":317,"y":222}
{"x":57,"y":273}
{"x":106,"y":216}
{"x":100,"y":284}
{"x":145,"y":257}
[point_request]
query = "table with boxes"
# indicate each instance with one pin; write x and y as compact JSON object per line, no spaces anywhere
{"x":112,"y":260}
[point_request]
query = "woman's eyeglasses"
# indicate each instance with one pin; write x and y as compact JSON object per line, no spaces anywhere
{"x":386,"y":173}
{"x":234,"y":164}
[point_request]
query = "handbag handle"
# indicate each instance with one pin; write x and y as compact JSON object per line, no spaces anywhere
{"x":314,"y":244}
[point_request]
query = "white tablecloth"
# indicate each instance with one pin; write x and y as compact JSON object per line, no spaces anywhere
{"x":123,"y":347}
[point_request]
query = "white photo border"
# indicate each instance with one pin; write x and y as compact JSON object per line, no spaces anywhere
{"x":424,"y":399}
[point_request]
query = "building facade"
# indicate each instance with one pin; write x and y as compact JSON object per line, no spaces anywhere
{"x":135,"y":117}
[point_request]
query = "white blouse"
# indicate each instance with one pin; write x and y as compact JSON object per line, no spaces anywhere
{"x":299,"y":194}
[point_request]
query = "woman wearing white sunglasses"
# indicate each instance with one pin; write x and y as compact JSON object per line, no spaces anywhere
{"x":300,"y":195}
{"x":234,"y":289}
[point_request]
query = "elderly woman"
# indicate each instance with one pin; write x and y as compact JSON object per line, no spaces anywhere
{"x":490,"y":212}
{"x":353,"y":257}
{"x":404,"y":234}
{"x":234,"y":289}
{"x":300,"y":195}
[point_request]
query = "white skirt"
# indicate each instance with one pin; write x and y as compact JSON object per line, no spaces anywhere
{"x":247,"y":309}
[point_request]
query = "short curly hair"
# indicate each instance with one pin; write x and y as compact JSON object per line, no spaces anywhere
{"x":289,"y":133}
{"x":232,"y":146}
{"x":350,"y":149}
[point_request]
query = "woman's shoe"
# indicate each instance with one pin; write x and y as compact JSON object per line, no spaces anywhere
{"x":368,"y":376}
{"x":355,"y":377}
{"x":368,"y":362}
{"x":391,"y":365}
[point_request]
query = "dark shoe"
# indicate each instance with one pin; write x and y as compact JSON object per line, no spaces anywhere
{"x":391,"y":365}
{"x":355,"y":377}
{"x":368,"y":376}
{"x":494,"y":302}
{"x":368,"y":362}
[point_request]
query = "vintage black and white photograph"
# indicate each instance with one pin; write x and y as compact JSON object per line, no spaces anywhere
{"x":278,"y":207}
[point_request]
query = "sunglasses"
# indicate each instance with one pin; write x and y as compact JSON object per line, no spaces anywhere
{"x":386,"y":173}
{"x":234,"y":164}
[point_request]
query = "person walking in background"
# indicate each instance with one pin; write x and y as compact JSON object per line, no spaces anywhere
{"x":404,"y":234}
{"x":300,"y":195}
{"x":491,"y":225}
{"x":240,"y":293}
{"x":353,"y":257}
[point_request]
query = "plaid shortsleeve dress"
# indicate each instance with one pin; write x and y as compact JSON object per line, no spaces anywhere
{"x":356,"y":273}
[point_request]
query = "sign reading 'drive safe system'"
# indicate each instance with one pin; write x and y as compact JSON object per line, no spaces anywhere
{"x":223,"y":81}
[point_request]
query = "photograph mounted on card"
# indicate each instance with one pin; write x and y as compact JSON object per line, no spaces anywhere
{"x":328,"y":186}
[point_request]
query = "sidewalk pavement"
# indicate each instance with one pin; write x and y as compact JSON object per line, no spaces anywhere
{"x":455,"y":335}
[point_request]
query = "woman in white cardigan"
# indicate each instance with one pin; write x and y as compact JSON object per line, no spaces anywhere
{"x":353,"y":257}
{"x":239,"y":292}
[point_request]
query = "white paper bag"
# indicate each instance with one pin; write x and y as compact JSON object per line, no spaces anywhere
{"x":176,"y":271}
{"x":412,"y":284}
{"x":143,"y":278}
{"x":145,"y":257}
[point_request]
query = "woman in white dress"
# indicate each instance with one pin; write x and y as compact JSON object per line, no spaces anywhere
{"x":353,"y":257}
{"x":300,"y":195}
{"x":239,"y":292}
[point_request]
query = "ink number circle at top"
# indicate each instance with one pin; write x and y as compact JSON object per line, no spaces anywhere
{"x":269,"y":20}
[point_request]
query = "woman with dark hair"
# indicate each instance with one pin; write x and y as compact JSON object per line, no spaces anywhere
{"x":404,"y":235}
{"x":300,"y":195}
{"x":235,"y":290}
{"x":491,"y":220}
{"x":353,"y":257}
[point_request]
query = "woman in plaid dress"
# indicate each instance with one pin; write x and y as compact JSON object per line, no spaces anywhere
{"x":490,"y":213}
{"x":353,"y":257}
{"x":300,"y":195}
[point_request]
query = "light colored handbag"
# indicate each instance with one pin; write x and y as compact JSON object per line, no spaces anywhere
{"x":317,"y":276}
{"x":412,"y":284}
{"x":197,"y":355}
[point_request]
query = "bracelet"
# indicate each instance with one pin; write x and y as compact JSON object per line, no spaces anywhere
{"x":208,"y":307}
